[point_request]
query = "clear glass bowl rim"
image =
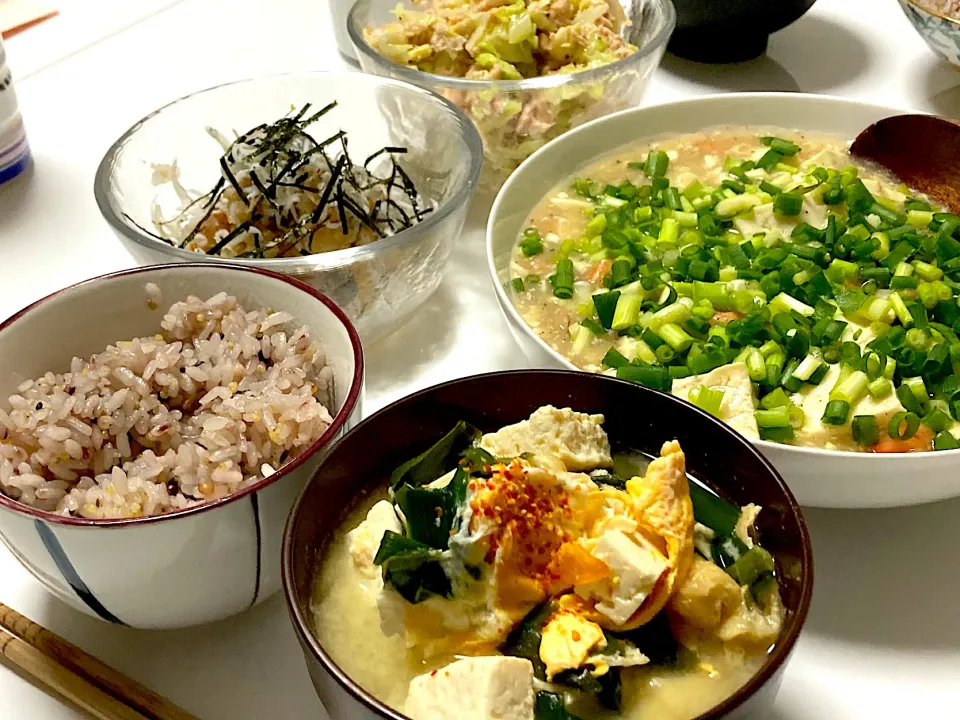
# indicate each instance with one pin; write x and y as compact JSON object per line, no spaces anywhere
{"x":656,"y":44}
{"x":336,"y":259}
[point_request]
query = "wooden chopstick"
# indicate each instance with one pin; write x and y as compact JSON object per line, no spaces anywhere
{"x":56,"y":677}
{"x":82,"y":678}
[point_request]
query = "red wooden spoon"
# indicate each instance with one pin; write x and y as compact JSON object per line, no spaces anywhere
{"x":923,"y":151}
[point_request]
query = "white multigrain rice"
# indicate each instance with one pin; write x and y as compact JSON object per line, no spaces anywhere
{"x":947,"y":8}
{"x":220,"y":399}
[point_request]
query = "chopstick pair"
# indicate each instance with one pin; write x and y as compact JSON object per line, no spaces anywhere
{"x":87,"y":682}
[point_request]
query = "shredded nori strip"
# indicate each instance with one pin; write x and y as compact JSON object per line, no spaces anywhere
{"x":341,"y":210}
{"x":410,"y":190}
{"x":233,"y":181}
{"x":285,"y":141}
{"x":148,"y":232}
{"x":382,"y":151}
{"x":331,"y":183}
{"x":230,"y":237}
{"x":267,"y":193}
{"x":361,"y":215}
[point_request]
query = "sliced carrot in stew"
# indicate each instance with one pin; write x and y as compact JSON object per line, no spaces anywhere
{"x":596,"y":273}
{"x":920,"y":442}
{"x":717,"y":145}
{"x":722,"y":317}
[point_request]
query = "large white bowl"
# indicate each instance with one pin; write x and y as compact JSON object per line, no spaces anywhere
{"x":818,"y":478}
{"x":192,"y":566}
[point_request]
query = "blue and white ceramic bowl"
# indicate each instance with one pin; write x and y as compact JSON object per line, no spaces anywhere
{"x":191,"y":566}
{"x":941,"y":33}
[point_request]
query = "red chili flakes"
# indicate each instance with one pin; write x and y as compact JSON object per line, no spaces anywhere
{"x":524,"y":511}
{"x":575,"y":635}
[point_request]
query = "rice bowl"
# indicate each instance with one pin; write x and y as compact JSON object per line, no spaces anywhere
{"x":188,"y":565}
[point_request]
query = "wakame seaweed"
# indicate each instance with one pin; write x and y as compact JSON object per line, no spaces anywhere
{"x":654,"y":639}
{"x":550,"y":706}
{"x":605,"y":477}
{"x":524,"y":641}
{"x":436,"y":460}
{"x":606,"y":688}
{"x":412,"y":568}
{"x":431,"y":512}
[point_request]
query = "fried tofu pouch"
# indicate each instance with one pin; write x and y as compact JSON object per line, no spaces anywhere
{"x":662,"y":499}
{"x":706,"y":597}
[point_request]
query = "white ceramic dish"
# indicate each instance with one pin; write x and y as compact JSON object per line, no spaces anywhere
{"x":818,"y":478}
{"x":192,"y":566}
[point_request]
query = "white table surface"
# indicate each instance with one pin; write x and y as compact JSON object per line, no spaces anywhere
{"x":883,"y":636}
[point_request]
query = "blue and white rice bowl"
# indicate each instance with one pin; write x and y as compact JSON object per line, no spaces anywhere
{"x":941,"y":33}
{"x":172,"y":563}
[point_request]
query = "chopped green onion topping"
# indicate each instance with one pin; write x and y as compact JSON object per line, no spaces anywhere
{"x":865,"y":430}
{"x":903,"y":425}
{"x":783,"y":147}
{"x":836,"y":412}
{"x":562,"y":281}
{"x":532,"y":243}
{"x":657,"y":163}
{"x":707,"y":399}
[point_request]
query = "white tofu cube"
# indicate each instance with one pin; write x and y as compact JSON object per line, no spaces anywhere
{"x":813,"y":400}
{"x":813,"y":213}
{"x":576,"y":439}
{"x":480,"y":688}
{"x":739,"y":401}
{"x":365,"y":538}
{"x":635,"y":568}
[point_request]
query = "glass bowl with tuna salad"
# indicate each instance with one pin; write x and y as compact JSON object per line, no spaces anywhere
{"x":355,"y":184}
{"x":524,"y":72}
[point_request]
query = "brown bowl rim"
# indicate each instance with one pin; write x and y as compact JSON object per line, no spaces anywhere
{"x":775,"y":660}
{"x":350,"y":402}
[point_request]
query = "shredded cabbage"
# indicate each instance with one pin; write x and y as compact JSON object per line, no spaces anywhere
{"x":514,"y":40}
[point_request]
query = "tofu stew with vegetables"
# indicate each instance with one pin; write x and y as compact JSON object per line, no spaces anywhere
{"x":533,"y":574}
{"x":761,"y":275}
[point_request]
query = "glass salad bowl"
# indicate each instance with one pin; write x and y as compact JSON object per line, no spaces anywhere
{"x":516,"y":118}
{"x":378,"y":284}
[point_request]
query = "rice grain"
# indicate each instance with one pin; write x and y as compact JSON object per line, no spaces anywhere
{"x":160,"y":423}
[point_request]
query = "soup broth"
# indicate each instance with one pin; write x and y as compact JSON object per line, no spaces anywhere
{"x":801,"y":289}
{"x":347,"y":623}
